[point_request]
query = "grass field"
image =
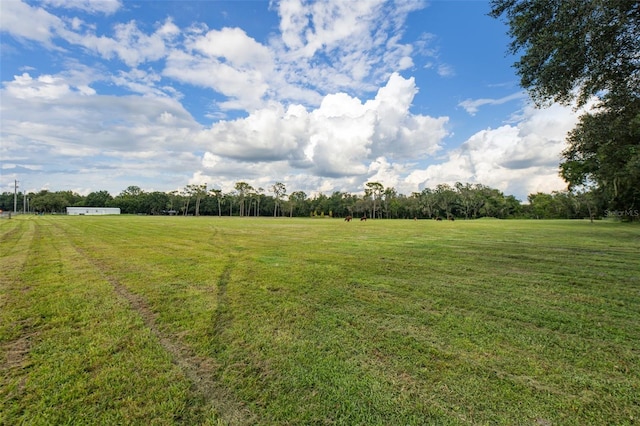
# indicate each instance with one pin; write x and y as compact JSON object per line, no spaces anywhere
{"x":174,"y":320}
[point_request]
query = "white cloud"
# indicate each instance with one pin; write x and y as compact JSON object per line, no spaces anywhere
{"x":227,"y":61}
{"x":517,"y":159}
{"x":326,"y":108}
{"x":129,"y":43}
{"x":233,"y":45}
{"x":44,"y":87}
{"x":27,"y":22}
{"x":359,"y":40}
{"x":446,"y":70}
{"x":339,"y":138}
{"x":268,"y":134}
{"x":50,"y":124}
{"x":473,"y":105}
{"x":106,"y":7}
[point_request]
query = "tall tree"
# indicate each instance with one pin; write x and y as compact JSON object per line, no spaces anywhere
{"x":427,"y":202}
{"x":217,"y":193}
{"x":279,"y":190}
{"x":374,"y":190}
{"x":390,"y":195}
{"x":259,"y":193}
{"x":198,"y":191}
{"x":129,"y":199}
{"x":577,"y":50}
{"x":244,"y":190}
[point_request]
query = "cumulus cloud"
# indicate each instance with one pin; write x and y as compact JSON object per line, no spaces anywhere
{"x":227,"y":61}
{"x":518,"y":158}
{"x":339,"y":138}
{"x":44,"y":87}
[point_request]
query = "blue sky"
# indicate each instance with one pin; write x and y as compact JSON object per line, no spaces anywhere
{"x":322,"y":96}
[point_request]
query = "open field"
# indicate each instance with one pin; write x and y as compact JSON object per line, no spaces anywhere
{"x":174,"y":320}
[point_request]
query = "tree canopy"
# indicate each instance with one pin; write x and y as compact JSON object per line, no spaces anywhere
{"x":574,"y":50}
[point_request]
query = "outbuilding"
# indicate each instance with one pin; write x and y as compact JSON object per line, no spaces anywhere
{"x":92,"y":211}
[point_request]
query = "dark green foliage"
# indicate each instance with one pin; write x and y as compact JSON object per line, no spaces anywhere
{"x":578,"y":50}
{"x":98,"y":199}
{"x":605,"y":149}
{"x":591,"y":46}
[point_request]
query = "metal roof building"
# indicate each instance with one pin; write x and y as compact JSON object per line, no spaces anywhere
{"x":92,"y":211}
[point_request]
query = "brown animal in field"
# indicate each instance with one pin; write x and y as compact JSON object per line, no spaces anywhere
{"x":438,"y":218}
{"x":348,"y":219}
{"x":363,"y":218}
{"x":451,"y":218}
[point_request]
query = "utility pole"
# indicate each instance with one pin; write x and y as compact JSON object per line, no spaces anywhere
{"x":15,"y":196}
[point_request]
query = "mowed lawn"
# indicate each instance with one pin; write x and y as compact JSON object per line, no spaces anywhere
{"x":263,"y":321}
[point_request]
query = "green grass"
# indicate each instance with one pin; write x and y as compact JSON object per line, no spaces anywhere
{"x":173,"y":320}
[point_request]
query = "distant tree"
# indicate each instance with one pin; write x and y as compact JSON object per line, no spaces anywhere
{"x":154,"y":202}
{"x":129,"y":200}
{"x":446,"y":199}
{"x":197,"y":191}
{"x":295,"y":199}
{"x":542,"y":205}
{"x":427,"y":202}
{"x":98,"y":199}
{"x":243,"y":189}
{"x":132,"y":191}
{"x":374,"y":191}
{"x":175,"y":199}
{"x":259,"y":193}
{"x":279,"y":190}
{"x":229,"y":200}
{"x":6,"y":201}
{"x":217,"y":193}
{"x":54,"y":202}
{"x":186,"y":196}
{"x":390,"y":196}
{"x":470,"y":199}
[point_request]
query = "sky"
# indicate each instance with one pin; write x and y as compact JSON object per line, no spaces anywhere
{"x":321,"y":96}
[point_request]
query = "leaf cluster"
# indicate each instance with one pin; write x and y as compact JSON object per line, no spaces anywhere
{"x":574,"y":49}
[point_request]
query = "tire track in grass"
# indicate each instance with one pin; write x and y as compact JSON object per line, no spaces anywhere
{"x":221,"y":318}
{"x":17,"y":331}
{"x":201,"y":371}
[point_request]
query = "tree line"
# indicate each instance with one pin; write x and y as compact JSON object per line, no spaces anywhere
{"x":460,"y":201}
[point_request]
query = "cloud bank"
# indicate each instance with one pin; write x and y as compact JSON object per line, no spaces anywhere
{"x":324,"y":103}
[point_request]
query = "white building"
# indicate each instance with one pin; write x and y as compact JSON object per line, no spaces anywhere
{"x":80,"y":211}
